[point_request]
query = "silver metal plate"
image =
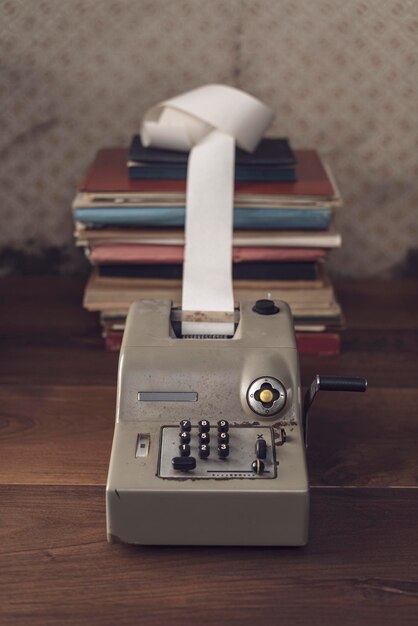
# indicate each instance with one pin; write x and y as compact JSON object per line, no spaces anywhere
{"x":242,"y":441}
{"x":167,"y":396}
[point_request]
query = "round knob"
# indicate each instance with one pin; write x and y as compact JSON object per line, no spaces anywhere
{"x":204,"y":451}
{"x":223,"y":426}
{"x":223,"y":438}
{"x":184,"y":437}
{"x":204,"y":438}
{"x":257,"y":466}
{"x":265,"y":307}
{"x":204,"y":426}
{"x":223,"y":450}
{"x":266,"y":396}
{"x":184,"y":449}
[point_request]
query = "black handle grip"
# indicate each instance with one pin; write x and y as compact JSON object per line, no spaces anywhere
{"x":329,"y":383}
{"x":341,"y":383}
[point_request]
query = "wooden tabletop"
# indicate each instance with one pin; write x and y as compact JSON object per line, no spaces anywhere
{"x":57,"y":400}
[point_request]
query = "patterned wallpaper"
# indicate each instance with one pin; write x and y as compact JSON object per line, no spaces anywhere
{"x":76,"y":75}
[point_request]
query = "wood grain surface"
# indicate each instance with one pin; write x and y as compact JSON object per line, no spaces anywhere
{"x":57,"y":399}
{"x":357,"y":569}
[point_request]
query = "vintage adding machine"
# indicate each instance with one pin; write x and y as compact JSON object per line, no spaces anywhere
{"x":210,"y":436}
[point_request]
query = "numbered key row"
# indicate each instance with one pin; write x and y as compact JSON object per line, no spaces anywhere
{"x":204,"y":450}
{"x":204,"y":426}
{"x":204,"y":438}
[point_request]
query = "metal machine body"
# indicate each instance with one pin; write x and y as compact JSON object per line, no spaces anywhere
{"x":208,"y":446}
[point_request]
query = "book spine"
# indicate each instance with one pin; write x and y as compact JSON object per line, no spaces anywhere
{"x":244,"y":219}
{"x":273,"y":175}
{"x":318,"y":344}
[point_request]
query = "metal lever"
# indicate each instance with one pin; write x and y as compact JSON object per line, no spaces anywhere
{"x":328,"y":383}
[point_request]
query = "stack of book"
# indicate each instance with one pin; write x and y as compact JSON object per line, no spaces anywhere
{"x":130,"y":211}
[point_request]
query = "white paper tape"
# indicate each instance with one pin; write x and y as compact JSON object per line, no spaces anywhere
{"x":208,"y":121}
{"x":207,"y":273}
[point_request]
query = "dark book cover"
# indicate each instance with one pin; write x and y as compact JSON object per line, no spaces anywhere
{"x":154,"y":171}
{"x":240,"y":271}
{"x":269,"y":152}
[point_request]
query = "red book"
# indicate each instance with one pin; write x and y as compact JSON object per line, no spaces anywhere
{"x":109,"y":174}
{"x":318,"y":344}
{"x":144,"y":253}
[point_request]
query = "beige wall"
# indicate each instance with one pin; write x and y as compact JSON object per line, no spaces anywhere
{"x":341,"y":74}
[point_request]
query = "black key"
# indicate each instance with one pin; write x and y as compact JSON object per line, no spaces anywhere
{"x":204,"y":426}
{"x":261,"y":448}
{"x":204,"y":451}
{"x":223,"y":438}
{"x":204,"y":438}
{"x":223,"y":450}
{"x":184,"y":449}
{"x":223,"y":426}
{"x":185,"y":426}
{"x":183,"y":463}
{"x":184,"y":437}
{"x":257,"y":466}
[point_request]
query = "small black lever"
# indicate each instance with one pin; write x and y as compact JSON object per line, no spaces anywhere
{"x":328,"y":383}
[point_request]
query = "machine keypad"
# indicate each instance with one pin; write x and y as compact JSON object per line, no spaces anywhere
{"x":239,"y":451}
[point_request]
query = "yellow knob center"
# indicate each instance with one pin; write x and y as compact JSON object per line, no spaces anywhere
{"x":266,"y":396}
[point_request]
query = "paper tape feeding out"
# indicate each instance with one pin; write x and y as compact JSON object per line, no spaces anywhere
{"x":209,"y":121}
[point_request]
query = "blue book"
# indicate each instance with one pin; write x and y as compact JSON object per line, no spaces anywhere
{"x":244,"y":219}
